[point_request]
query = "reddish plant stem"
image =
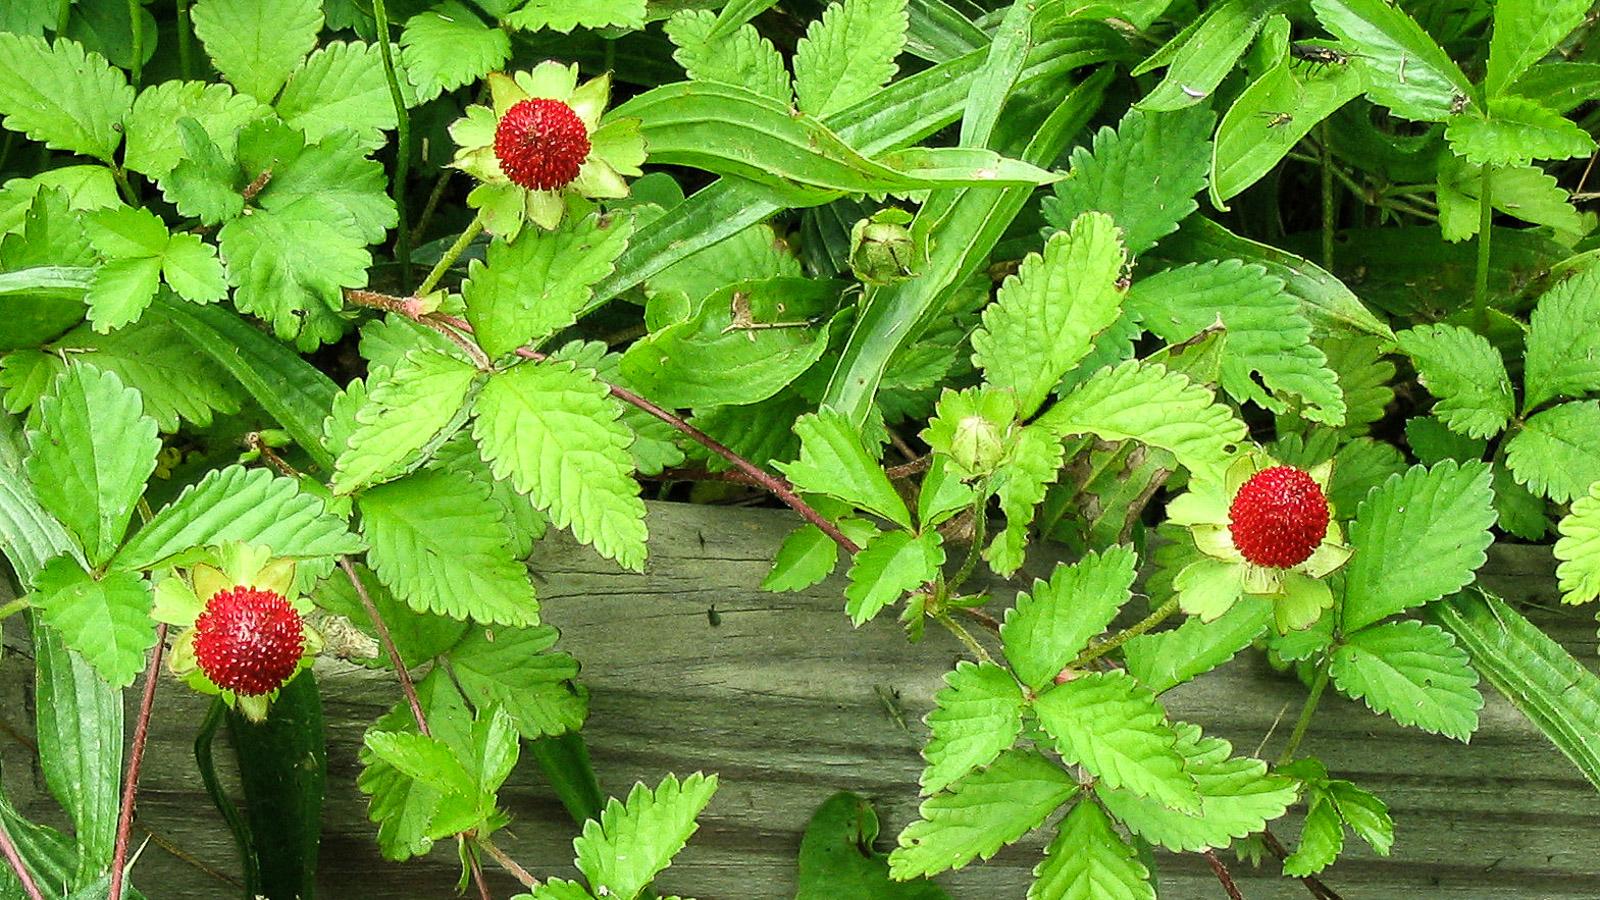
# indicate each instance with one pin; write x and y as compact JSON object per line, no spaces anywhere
{"x":407,"y":686}
{"x":1313,"y":884}
{"x":17,"y":865}
{"x":1223,"y":876}
{"x":477,"y":875}
{"x":130,"y":786}
{"x":510,"y":865}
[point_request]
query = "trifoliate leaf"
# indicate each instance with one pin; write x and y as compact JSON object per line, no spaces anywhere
{"x":1145,"y":175}
{"x":890,"y":565}
{"x":449,"y":46}
{"x":622,"y":851}
{"x":333,"y":171}
{"x":535,"y":286}
{"x":981,"y":813}
{"x":1166,"y":659}
{"x":90,"y":456}
{"x":1048,"y":628}
{"x":403,"y":808}
{"x":834,"y":462}
{"x":252,"y":506}
{"x":848,"y":54}
{"x":1579,"y":549}
{"x":1069,"y":293}
{"x":559,"y":15}
{"x":1516,"y":132}
{"x":512,"y":668}
{"x":1321,"y":839}
{"x":340,"y":87}
{"x":463,"y":773}
{"x":1268,"y":334}
{"x":1557,"y":451}
{"x":138,"y":249}
{"x":62,"y":95}
{"x":1114,"y":728}
{"x":1465,"y":372}
{"x":553,"y":431}
{"x":280,"y":259}
{"x":975,"y":717}
{"x":1089,"y":860}
{"x":741,"y":57}
{"x":256,"y":44}
{"x":1414,"y":672}
{"x":1032,"y":465}
{"x":107,"y":620}
{"x":1563,"y":355}
{"x":1418,"y":537}
{"x":155,"y":142}
{"x":407,"y":411}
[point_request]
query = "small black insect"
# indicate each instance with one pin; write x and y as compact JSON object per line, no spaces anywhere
{"x":1315,"y":54}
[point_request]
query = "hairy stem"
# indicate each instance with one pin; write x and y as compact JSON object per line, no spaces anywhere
{"x":1127,"y":634}
{"x":1319,"y":683}
{"x":509,"y":864}
{"x":980,"y":529}
{"x":130,"y":786}
{"x":1223,"y":875}
{"x":1480,"y":284}
{"x":407,"y":686}
{"x":402,"y":161}
{"x":965,"y":636}
{"x":473,"y":229}
{"x":9,"y":848}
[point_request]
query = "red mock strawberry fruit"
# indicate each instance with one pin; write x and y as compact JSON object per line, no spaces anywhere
{"x":541,"y":144}
{"x":1278,"y":517}
{"x":248,"y":641}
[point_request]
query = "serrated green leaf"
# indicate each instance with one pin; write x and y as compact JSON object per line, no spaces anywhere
{"x":442,"y":546}
{"x":1404,"y":69}
{"x":238,"y":504}
{"x":806,"y":557}
{"x":280,"y":258}
{"x":190,"y":267}
{"x":976,"y":717}
{"x":203,"y":182}
{"x":62,"y":95}
{"x":1089,"y":860}
{"x":1069,"y":293}
{"x":90,"y":456}
{"x":834,"y":462}
{"x":1365,"y":379}
{"x":334,"y":171}
{"x":1557,"y":451}
{"x":890,"y":565}
{"x":536,"y":285}
{"x":848,"y":54}
{"x":1114,"y":728}
{"x":510,"y":667}
{"x":1321,"y":839}
{"x":553,"y":431}
{"x":981,"y":813}
{"x":1145,"y":175}
{"x":1415,"y":673}
{"x":1579,"y":549}
{"x":256,"y":44}
{"x":463,"y":774}
{"x":1527,"y":193}
{"x":1524,"y":32}
{"x":1146,"y":403}
{"x":340,"y":87}
{"x":107,"y":620}
{"x":155,"y":144}
{"x":1166,"y":659}
{"x":1366,"y":815}
{"x":1032,"y":465}
{"x":403,"y":808}
{"x":1418,"y":537}
{"x":740,"y":57}
{"x":557,"y":889}
{"x":558,"y":15}
{"x":1268,"y":336}
{"x":1465,"y":372}
{"x":449,"y":46}
{"x":622,"y":851}
{"x":406,"y":411}
{"x":1563,"y":356}
{"x":121,"y":291}
{"x":1516,"y":132}
{"x":1048,"y":628}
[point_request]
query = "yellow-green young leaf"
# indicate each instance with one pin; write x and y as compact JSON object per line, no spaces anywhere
{"x":981,"y":813}
{"x":1045,"y":317}
{"x":1524,"y":32}
{"x":975,"y":717}
{"x":1032,"y":465}
{"x":833,"y":462}
{"x":90,"y":456}
{"x":1564,"y":341}
{"x":442,"y":545}
{"x":448,"y":46}
{"x":1418,"y":537}
{"x":1146,"y":403}
{"x":1579,"y":549}
{"x":1416,"y":673}
{"x":848,"y":54}
{"x":742,"y":57}
{"x":1404,"y":69}
{"x":622,"y":851}
{"x":1237,"y":798}
{"x":806,"y":557}
{"x":510,"y":667}
{"x":1557,"y":451}
{"x":62,"y":95}
{"x":340,"y":87}
{"x":1166,"y":659}
{"x":106,"y":620}
{"x":155,"y":144}
{"x":562,"y":16}
{"x":890,"y":565}
{"x":1321,"y":839}
{"x":1048,"y":628}
{"x":401,"y":807}
{"x":554,"y":431}
{"x":1089,"y":860}
{"x":255,"y":44}
{"x":1200,"y":56}
{"x":238,"y":504}
{"x":1516,"y":132}
{"x":407,"y":413}
{"x":535,"y":286}
{"x":1114,"y":728}
{"x":1465,"y":372}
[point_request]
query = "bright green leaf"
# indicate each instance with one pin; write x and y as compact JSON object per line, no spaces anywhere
{"x":1465,"y":372}
{"x":340,"y":87}
{"x":890,"y":565}
{"x":1047,"y":629}
{"x":107,"y":620}
{"x":407,"y":411}
{"x":1114,"y":728}
{"x":741,"y":57}
{"x":62,"y":95}
{"x":1403,"y":67}
{"x":1415,"y":673}
{"x":1564,"y":341}
{"x":621,"y":852}
{"x":848,"y":54}
{"x":833,"y":462}
{"x":1089,"y":860}
{"x":449,"y":46}
{"x":976,"y":717}
{"x":1557,"y":451}
{"x":1516,"y":132}
{"x":256,"y":44}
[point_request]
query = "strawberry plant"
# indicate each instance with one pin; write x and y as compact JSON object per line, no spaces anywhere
{"x":1115,"y":339}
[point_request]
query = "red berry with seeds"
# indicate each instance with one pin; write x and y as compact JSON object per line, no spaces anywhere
{"x":1278,"y":517}
{"x":248,"y":641}
{"x":541,"y":144}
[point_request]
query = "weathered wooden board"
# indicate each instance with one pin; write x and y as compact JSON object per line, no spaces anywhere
{"x":782,"y":698}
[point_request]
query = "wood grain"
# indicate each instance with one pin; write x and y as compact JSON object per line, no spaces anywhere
{"x":785,"y":702}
